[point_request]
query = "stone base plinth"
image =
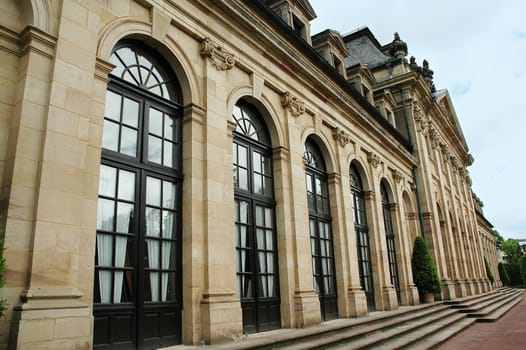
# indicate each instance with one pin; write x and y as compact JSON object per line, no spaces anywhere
{"x":357,"y":303}
{"x":221,"y":317}
{"x":306,"y":308}
{"x":390,"y":300}
{"x":448,"y":289}
{"x":52,"y":318}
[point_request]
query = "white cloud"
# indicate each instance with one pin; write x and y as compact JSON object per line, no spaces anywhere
{"x":478,"y":52}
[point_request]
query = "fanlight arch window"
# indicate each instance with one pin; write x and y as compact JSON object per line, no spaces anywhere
{"x":140,"y":69}
{"x":255,"y":226}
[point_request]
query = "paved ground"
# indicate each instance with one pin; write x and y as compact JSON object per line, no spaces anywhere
{"x":508,"y":333}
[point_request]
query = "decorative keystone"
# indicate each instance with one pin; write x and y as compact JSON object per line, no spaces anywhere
{"x":295,"y":106}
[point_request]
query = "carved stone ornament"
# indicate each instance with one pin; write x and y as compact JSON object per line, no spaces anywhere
{"x":295,"y":106}
{"x":373,"y":159}
{"x":469,"y":159}
{"x":420,"y":119}
{"x":397,"y":176}
{"x":434,"y":137}
{"x":454,"y":162}
{"x":445,"y":151}
{"x":218,"y":57}
{"x":341,"y":136}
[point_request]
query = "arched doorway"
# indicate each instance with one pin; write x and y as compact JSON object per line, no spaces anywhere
{"x":362,"y":237}
{"x":322,"y":251}
{"x":256,"y":244}
{"x":137,"y":283}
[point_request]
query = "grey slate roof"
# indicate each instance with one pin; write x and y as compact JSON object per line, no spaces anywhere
{"x":363,"y":51}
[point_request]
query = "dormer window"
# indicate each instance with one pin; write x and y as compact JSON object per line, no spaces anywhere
{"x":337,"y":64}
{"x":366,"y":93}
{"x":298,"y":26}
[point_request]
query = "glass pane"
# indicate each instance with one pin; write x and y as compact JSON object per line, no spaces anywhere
{"x":270,"y":262}
{"x":262,"y":262}
{"x":168,"y":158}
{"x":260,"y":235}
{"x":260,"y":216}
{"x":156,"y":122}
{"x":126,"y":185}
{"x":243,"y":212}
{"x":168,"y":256}
{"x":242,"y":156}
{"x":113,"y":106}
{"x":154,"y":149}
{"x":268,"y":218}
{"x":266,"y":166}
{"x":258,"y":185}
{"x":169,"y":287}
{"x":129,"y":141}
{"x":105,"y":215}
{"x":153,"y":191}
{"x":168,"y":195}
{"x":170,"y":125}
{"x":154,"y":286}
{"x":243,"y":179}
{"x":270,"y":240}
{"x":104,"y":249}
{"x":168,"y":227}
{"x":107,"y":181}
{"x":153,"y":222}
{"x":130,"y":112}
{"x":124,"y":217}
{"x":152,"y":253}
{"x":257,"y":161}
{"x":267,"y":186}
{"x":110,"y":136}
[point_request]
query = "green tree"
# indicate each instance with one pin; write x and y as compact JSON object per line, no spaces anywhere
{"x":425,"y":273}
{"x":523,"y":269}
{"x":503,"y":274}
{"x":498,"y":239}
{"x":488,"y":271}
{"x":513,"y":250}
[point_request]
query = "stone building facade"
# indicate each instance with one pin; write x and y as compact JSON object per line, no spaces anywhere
{"x":174,"y":171}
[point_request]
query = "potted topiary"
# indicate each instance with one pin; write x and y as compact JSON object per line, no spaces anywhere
{"x":425,"y":275}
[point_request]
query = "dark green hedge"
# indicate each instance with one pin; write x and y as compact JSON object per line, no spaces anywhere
{"x":515,"y":274}
{"x":503,"y":274}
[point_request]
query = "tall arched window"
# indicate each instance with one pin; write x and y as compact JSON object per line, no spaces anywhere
{"x":137,"y":286}
{"x":362,"y":237}
{"x":390,"y":239}
{"x":320,"y":231}
{"x":256,"y":247}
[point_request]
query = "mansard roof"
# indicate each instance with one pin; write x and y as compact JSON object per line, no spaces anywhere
{"x":364,"y":48}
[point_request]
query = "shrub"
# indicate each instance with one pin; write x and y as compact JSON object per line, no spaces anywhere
{"x":425,"y":274}
{"x":514,"y":273}
{"x":488,"y":271}
{"x":522,"y":269}
{"x":503,"y":274}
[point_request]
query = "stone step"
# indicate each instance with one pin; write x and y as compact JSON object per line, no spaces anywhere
{"x":494,"y":312}
{"x":403,"y":335}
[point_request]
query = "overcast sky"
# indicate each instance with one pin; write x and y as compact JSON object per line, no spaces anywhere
{"x":477,"y":50}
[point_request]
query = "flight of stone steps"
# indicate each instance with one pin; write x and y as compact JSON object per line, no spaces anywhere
{"x":416,"y":327}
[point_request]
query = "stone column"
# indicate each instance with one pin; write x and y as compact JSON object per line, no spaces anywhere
{"x":56,"y":160}
{"x":221,"y":314}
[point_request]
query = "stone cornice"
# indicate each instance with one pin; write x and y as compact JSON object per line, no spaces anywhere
{"x":217,"y":55}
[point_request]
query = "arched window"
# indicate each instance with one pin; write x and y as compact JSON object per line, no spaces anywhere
{"x":256,"y":246}
{"x":390,"y":239}
{"x":362,"y":237}
{"x":137,"y":285}
{"x":320,"y":231}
